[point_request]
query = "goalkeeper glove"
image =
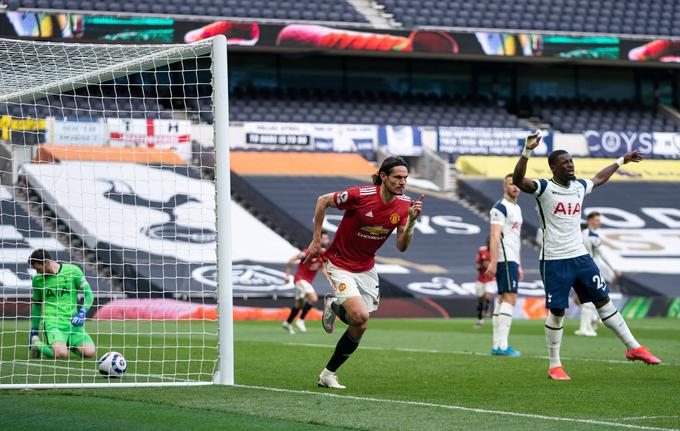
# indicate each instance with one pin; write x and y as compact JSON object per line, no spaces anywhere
{"x":34,"y":333}
{"x":78,"y":319}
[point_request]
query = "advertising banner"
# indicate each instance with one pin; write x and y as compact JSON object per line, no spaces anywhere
{"x":616,"y":144}
{"x":339,"y":138}
{"x":487,"y":141}
{"x":310,"y":37}
{"x":75,"y":133}
{"x":666,"y":145}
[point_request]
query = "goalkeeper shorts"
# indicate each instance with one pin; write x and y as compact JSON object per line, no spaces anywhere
{"x":66,"y":333}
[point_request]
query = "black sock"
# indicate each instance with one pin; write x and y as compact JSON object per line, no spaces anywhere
{"x":339,"y":311}
{"x":293,"y":312}
{"x":345,"y":347}
{"x":486,"y":306}
{"x":480,"y":308}
{"x":305,"y":310}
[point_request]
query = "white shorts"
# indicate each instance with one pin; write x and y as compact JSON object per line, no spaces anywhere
{"x":347,"y":284}
{"x":485,"y":287}
{"x":302,"y":289}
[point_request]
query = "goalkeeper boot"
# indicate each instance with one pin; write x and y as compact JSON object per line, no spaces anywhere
{"x":328,"y":318}
{"x":642,"y":354}
{"x":35,"y":353}
{"x":288,"y":327}
{"x":300,"y":324}
{"x":328,"y":379}
{"x":557,"y":373}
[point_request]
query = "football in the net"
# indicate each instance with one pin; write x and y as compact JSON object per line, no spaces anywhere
{"x":112,"y":364}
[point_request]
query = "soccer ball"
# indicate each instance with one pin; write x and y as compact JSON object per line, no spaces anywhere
{"x":112,"y":364}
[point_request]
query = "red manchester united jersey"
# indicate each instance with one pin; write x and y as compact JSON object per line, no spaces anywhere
{"x":307,"y":271}
{"x":366,"y":225}
{"x":483,"y":258}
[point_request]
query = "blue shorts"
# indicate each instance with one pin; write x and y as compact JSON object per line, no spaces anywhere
{"x":507,"y":277}
{"x":581,"y":273}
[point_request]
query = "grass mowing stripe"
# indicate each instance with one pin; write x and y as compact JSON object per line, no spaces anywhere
{"x":460,"y":408}
{"x":459,"y":352}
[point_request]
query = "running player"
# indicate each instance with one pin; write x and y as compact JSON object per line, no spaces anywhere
{"x":564,"y":259}
{"x":305,"y":296}
{"x":485,"y":286}
{"x":55,"y":301}
{"x":505,"y":264}
{"x":371,"y":214}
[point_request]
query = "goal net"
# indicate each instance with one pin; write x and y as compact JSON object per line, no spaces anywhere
{"x":108,"y":175}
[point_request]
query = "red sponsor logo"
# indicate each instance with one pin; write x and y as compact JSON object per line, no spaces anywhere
{"x":568,"y":209}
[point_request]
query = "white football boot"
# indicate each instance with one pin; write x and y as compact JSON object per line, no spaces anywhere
{"x":300,"y":324}
{"x":328,"y":379}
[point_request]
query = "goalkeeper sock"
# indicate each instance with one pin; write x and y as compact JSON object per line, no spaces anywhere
{"x":613,"y":320}
{"x":305,"y":310}
{"x":44,"y":349}
{"x":293,"y":312}
{"x":345,"y":347}
{"x":339,"y":311}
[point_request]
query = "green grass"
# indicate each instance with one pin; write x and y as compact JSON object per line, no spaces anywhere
{"x":443,"y":364}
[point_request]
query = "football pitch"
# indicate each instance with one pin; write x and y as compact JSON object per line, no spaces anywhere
{"x":407,"y":374}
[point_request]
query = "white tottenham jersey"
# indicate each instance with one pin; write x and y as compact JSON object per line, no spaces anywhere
{"x":508,"y":215}
{"x":592,"y":242}
{"x":559,"y":209}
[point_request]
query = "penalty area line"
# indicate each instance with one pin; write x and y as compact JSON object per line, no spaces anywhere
{"x":457,"y":408}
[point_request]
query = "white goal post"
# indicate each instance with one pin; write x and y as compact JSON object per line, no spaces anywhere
{"x":106,"y":163}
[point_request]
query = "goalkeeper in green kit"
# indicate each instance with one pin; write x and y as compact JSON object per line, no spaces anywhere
{"x":55,"y":301}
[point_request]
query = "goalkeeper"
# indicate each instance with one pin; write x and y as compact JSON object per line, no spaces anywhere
{"x":55,"y":302}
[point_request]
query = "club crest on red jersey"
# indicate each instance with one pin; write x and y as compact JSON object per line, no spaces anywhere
{"x":395,"y":218}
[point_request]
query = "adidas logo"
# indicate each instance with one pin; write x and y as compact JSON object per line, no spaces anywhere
{"x":369,"y":214}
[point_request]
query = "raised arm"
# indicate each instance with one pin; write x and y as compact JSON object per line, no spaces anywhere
{"x":518,"y":176}
{"x":322,"y":203}
{"x":604,"y":175}
{"x":405,"y":233}
{"x":290,"y":263}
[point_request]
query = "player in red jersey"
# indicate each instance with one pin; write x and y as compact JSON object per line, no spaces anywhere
{"x":485,"y":286}
{"x":371,"y":215}
{"x":305,"y":296}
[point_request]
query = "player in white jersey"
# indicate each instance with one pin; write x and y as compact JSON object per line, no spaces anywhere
{"x":505,"y":264}
{"x":565,"y":263}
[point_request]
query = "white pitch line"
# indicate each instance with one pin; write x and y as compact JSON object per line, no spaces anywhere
{"x":639,"y":418}
{"x":460,"y":352}
{"x":459,"y":408}
{"x":61,"y":367}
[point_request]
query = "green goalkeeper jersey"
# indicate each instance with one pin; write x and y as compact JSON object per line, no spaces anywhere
{"x":59,"y":292}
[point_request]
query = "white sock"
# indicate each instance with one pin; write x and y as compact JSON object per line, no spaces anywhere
{"x":613,"y":320}
{"x":586,"y":315}
{"x":504,"y":322}
{"x":553,"y":338}
{"x":494,"y":324}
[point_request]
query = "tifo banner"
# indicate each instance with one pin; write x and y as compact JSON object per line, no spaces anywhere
{"x":339,"y":138}
{"x":497,"y":167}
{"x":61,"y":132}
{"x":400,"y":140}
{"x":487,"y":141}
{"x":309,"y":37}
{"x":163,"y":134}
{"x":616,"y":143}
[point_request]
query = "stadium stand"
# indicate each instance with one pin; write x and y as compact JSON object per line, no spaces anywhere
{"x":369,"y":107}
{"x":574,"y":116}
{"x":609,"y":16}
{"x":308,"y":10}
{"x":135,"y":250}
{"x":637,"y":258}
{"x":19,"y":236}
{"x":440,"y":262}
